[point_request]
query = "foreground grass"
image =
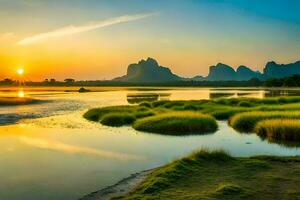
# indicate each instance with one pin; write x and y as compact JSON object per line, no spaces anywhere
{"x":177,"y":123}
{"x":279,"y":129}
{"x":246,"y":122}
{"x":14,"y":101}
{"x":216,"y":175}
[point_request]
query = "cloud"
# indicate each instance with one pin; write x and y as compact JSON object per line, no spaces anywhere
{"x":6,"y":36}
{"x":70,"y":30}
{"x":71,"y":149}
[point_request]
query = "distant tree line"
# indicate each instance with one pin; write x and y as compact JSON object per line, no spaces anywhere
{"x":293,"y":81}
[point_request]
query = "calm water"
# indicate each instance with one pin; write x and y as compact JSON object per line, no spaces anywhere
{"x":48,"y":151}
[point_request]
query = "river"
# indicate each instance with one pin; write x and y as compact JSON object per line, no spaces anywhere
{"x":48,"y":151}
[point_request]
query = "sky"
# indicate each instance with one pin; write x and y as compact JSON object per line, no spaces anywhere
{"x":97,"y":39}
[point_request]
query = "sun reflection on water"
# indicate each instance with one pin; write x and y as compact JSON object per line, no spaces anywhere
{"x":21,"y":93}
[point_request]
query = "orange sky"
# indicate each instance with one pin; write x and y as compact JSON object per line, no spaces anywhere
{"x":99,"y":40}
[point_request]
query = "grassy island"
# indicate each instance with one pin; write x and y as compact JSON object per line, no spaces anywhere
{"x":246,"y":122}
{"x":279,"y":129}
{"x":198,"y":116}
{"x":217,"y":175}
{"x":175,"y":123}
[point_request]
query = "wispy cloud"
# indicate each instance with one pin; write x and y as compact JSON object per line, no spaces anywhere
{"x":70,"y":30}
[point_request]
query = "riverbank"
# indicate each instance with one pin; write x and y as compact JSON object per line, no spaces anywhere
{"x":217,"y":175}
{"x":121,"y":188}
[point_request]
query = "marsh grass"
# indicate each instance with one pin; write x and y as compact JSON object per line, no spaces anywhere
{"x":216,"y":175}
{"x":226,"y":113}
{"x":96,"y":114}
{"x":246,"y":122}
{"x":228,"y":189}
{"x":279,"y":129}
{"x":177,"y":123}
{"x":249,"y":102}
{"x":117,"y":119}
{"x":166,"y":176}
{"x":235,"y":109}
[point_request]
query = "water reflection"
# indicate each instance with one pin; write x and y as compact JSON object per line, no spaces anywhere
{"x":248,"y":94}
{"x":47,"y":144}
{"x":281,"y":92}
{"x":135,"y":98}
{"x":214,"y":95}
{"x":21,"y":93}
{"x":287,"y":144}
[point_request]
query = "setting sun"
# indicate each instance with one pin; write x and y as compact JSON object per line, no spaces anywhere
{"x":20,"y":71}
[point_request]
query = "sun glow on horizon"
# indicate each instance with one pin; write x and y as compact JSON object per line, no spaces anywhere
{"x":20,"y":71}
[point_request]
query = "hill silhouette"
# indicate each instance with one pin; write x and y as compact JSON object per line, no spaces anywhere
{"x":149,"y":71}
{"x":274,"y":70}
{"x":223,"y":72}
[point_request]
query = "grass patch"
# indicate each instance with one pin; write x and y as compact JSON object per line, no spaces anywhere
{"x":177,"y":123}
{"x":216,"y":175}
{"x":243,"y":113}
{"x":279,"y":129}
{"x":96,"y":114}
{"x":226,"y":113}
{"x":228,"y":189}
{"x":117,"y":119}
{"x":246,"y":122}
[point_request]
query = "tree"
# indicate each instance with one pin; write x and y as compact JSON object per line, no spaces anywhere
{"x":69,"y":80}
{"x":7,"y":81}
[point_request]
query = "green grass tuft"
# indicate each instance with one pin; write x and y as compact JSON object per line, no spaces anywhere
{"x":167,"y":176}
{"x":177,"y":123}
{"x":146,"y":104}
{"x":245,"y":104}
{"x":216,"y":175}
{"x":228,"y":189}
{"x":226,"y":113}
{"x":117,"y":119}
{"x":142,"y":114}
{"x":96,"y":114}
{"x":279,"y":129}
{"x":246,"y":122}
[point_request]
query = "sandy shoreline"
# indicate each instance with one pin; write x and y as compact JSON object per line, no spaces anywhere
{"x":123,"y":187}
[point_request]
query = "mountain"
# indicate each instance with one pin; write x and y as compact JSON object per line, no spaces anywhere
{"x":146,"y":71}
{"x":221,"y":72}
{"x":245,"y":73}
{"x":149,"y":71}
{"x":198,"y":78}
{"x":272,"y":69}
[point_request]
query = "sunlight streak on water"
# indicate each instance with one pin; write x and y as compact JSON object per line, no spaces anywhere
{"x":21,"y":93}
{"x":66,"y":148}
